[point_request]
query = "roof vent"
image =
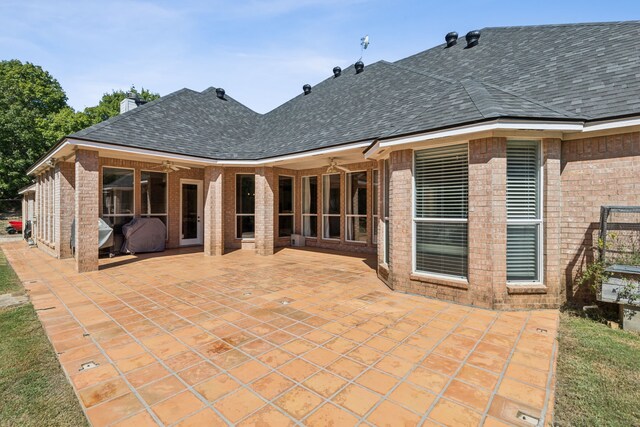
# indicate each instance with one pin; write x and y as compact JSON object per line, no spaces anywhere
{"x":359,"y":67}
{"x":337,"y":71}
{"x":472,"y":38}
{"x":220,"y":93}
{"x":306,"y":89}
{"x":451,"y":38}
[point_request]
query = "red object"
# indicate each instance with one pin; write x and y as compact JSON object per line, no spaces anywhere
{"x":17,"y":225}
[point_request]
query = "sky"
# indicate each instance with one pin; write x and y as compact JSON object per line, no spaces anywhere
{"x":260,"y":52}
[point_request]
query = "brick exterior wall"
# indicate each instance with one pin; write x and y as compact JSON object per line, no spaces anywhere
{"x":86,"y":210}
{"x":595,"y":171}
{"x":213,"y":211}
{"x":64,"y":207}
{"x":578,"y":177}
{"x":400,"y":220}
{"x":264,"y":231}
{"x":486,"y":285}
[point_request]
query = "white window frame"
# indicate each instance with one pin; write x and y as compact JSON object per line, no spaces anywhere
{"x":293,"y":206}
{"x":303,"y":215}
{"x":375,"y":212}
{"x":235,"y":206}
{"x":330,"y":215}
{"x":347,"y":201}
{"x":102,"y":214}
{"x":539,"y":222}
{"x":416,"y":220}
{"x":152,"y":215}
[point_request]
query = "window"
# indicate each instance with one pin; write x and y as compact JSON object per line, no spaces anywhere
{"x":245,"y":206}
{"x":285,"y":206}
{"x":153,"y":187}
{"x":331,"y":206}
{"x":376,"y":177}
{"x":356,"y":215}
{"x":385,"y":200}
{"x":310,"y":206}
{"x":441,"y":206}
{"x":524,"y":219}
{"x":117,"y":197}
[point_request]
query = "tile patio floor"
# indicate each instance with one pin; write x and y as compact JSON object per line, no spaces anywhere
{"x":183,"y":339}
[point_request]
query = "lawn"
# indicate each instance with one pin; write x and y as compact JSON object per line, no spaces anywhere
{"x":598,"y":377}
{"x":33,"y":388}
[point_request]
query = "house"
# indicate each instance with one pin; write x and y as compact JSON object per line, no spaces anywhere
{"x":475,"y":170}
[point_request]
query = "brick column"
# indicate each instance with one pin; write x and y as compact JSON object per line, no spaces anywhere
{"x":400,"y":218}
{"x":213,"y":211}
{"x":264,"y":239}
{"x":86,"y":210}
{"x":487,"y":220}
{"x":552,"y":200}
{"x":64,"y":211}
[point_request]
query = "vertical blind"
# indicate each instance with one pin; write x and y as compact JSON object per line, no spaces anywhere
{"x":523,"y":210}
{"x":441,"y":207}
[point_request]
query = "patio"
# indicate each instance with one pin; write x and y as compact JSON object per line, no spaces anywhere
{"x":301,"y":337}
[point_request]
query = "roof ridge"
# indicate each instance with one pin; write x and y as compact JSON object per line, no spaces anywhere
{"x":473,"y":99}
{"x":143,"y":107}
{"x":567,"y":24}
{"x":529,"y":99}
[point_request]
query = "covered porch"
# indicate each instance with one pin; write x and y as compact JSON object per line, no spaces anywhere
{"x":329,"y":201}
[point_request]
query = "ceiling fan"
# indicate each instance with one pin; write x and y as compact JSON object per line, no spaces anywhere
{"x":334,"y":167}
{"x":168,"y":166}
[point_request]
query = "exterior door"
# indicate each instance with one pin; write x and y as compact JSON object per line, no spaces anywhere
{"x":191,"y":226}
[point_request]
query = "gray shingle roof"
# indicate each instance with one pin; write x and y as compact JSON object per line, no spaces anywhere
{"x":574,"y":71}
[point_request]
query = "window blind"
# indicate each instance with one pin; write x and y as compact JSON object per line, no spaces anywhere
{"x":523,"y":211}
{"x":522,"y":179}
{"x":442,"y":182}
{"x":441,"y":208}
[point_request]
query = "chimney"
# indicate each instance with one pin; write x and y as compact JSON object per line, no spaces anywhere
{"x":472,"y":38}
{"x":129,"y":103}
{"x":337,"y":71}
{"x":306,"y":89}
{"x":359,"y":67}
{"x":451,"y":38}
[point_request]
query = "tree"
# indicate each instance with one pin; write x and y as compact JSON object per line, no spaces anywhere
{"x":109,"y":105}
{"x":34,"y":115}
{"x":28,"y":95}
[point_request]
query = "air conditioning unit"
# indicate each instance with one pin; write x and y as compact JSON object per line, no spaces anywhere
{"x":297,"y":240}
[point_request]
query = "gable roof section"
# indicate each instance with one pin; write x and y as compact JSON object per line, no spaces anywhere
{"x":590,"y":70}
{"x":184,"y":122}
{"x":555,"y":72}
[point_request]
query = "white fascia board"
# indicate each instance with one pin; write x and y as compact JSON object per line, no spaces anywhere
{"x":141,"y":151}
{"x":475,"y":128}
{"x":611,"y":124}
{"x":47,"y":158}
{"x":190,"y":159}
{"x":29,"y":189}
{"x":297,"y":156}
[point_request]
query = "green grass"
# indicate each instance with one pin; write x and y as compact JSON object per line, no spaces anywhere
{"x":598,"y":377}
{"x":33,"y":389}
{"x":9,"y":282}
